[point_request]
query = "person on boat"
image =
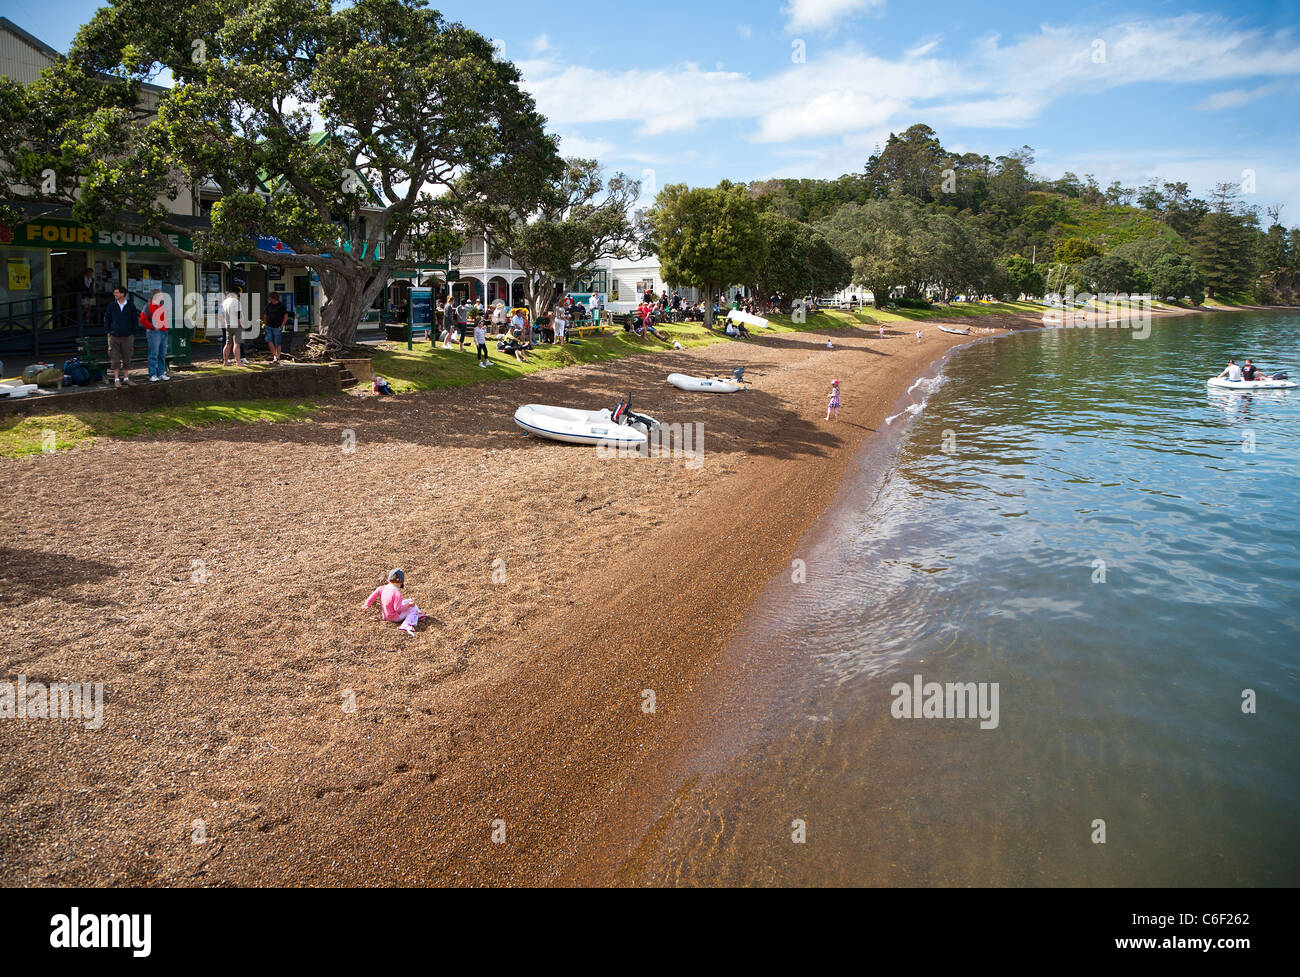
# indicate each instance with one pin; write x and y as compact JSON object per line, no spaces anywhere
{"x":1231,"y":372}
{"x":1251,"y":372}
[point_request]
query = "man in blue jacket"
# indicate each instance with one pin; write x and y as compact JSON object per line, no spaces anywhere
{"x":119,"y":319}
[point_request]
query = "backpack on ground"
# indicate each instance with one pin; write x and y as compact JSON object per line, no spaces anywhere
{"x":77,"y":373}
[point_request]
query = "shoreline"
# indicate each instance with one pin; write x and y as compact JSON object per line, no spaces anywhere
{"x":526,"y":720}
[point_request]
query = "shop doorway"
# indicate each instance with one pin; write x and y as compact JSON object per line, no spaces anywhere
{"x":67,"y":271}
{"x":302,"y":301}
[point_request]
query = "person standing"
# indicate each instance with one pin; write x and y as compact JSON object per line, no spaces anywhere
{"x":480,"y":340}
{"x":86,"y":293}
{"x":232,"y":321}
{"x":448,"y":322}
{"x":119,"y":322}
{"x":154,"y":320}
{"x":274,"y":317}
{"x":462,"y":322}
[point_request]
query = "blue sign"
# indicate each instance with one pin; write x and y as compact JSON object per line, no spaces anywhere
{"x":267,"y":243}
{"x":421,"y":313}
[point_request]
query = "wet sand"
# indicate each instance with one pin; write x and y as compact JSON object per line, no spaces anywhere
{"x":213,"y":581}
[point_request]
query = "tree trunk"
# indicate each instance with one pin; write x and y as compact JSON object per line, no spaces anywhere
{"x":346,"y":301}
{"x":708,"y":305}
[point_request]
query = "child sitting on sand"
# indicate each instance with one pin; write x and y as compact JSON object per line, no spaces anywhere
{"x":833,"y":407}
{"x":395,"y":607}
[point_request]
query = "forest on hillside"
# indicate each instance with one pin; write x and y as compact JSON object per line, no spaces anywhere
{"x":937,"y":224}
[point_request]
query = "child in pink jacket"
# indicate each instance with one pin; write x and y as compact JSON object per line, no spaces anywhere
{"x":395,"y":607}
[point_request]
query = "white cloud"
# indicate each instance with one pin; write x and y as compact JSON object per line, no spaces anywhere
{"x":993,"y":81}
{"x":819,"y":15}
{"x":745,"y":31}
{"x":574,"y":145}
{"x":541,"y":43}
{"x":838,"y":111}
{"x":1235,"y":98}
{"x":922,"y":49}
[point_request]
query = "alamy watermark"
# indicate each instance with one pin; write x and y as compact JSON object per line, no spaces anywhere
{"x":684,"y":441}
{"x":1111,"y":310}
{"x":946,"y":700}
{"x":57,"y":700}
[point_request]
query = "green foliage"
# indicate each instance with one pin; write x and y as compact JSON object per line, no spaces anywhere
{"x":706,"y":237}
{"x":1075,"y":250}
{"x":407,"y":102}
{"x":1225,"y":243}
{"x":793,"y":261}
{"x":580,"y":220}
{"x":1109,"y":273}
{"x":1025,"y":277}
{"x":1174,"y":276}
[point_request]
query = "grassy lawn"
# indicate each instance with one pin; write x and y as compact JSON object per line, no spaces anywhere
{"x":430,"y":368}
{"x":35,"y":435}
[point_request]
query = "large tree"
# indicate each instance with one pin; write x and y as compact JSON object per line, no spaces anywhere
{"x":1224,"y":243}
{"x":333,"y":129}
{"x":580,"y":220}
{"x":705,"y":237}
{"x":795,"y":261}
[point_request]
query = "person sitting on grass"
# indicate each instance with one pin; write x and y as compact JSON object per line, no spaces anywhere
{"x":512,"y":345}
{"x":395,"y":607}
{"x":650,"y":330}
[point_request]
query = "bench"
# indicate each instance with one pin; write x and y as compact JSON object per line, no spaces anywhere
{"x":93,"y":351}
{"x":583,"y":330}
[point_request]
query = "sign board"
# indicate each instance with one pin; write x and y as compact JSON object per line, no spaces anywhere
{"x":52,"y":232}
{"x":421,"y":312}
{"x":20,"y":275}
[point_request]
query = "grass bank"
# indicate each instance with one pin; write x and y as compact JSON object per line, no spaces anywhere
{"x":430,"y":367}
{"x":21,"y":436}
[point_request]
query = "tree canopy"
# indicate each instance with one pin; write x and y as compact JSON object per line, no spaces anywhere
{"x":338,"y":130}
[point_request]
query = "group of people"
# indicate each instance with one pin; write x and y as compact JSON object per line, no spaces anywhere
{"x":122,"y":317}
{"x":1248,"y":372}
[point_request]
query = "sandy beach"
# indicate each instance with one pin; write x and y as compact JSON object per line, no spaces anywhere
{"x":262,"y":729}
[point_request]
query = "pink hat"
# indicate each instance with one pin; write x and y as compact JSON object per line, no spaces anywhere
{"x":835,"y":383}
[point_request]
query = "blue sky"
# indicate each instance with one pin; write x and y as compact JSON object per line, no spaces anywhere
{"x":693,"y":92}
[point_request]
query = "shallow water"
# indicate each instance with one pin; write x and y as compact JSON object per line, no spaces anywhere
{"x":1074,"y":517}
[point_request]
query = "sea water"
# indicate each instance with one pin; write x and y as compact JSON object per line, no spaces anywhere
{"x":1071,"y":520}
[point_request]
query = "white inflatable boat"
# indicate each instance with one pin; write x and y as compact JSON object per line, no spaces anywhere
{"x":735,"y":315}
{"x":1219,"y":383}
{"x":714,"y":385}
{"x":582,"y":426}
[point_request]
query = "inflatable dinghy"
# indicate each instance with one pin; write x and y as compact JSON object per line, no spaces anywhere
{"x":735,"y":315}
{"x":1219,"y":383}
{"x":955,"y":332}
{"x":617,"y":427}
{"x":703,"y":384}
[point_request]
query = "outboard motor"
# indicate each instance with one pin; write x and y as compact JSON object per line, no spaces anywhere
{"x":1281,"y":375}
{"x":624,"y":414}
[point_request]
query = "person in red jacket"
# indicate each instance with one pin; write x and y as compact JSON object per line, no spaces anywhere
{"x":154,"y":320}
